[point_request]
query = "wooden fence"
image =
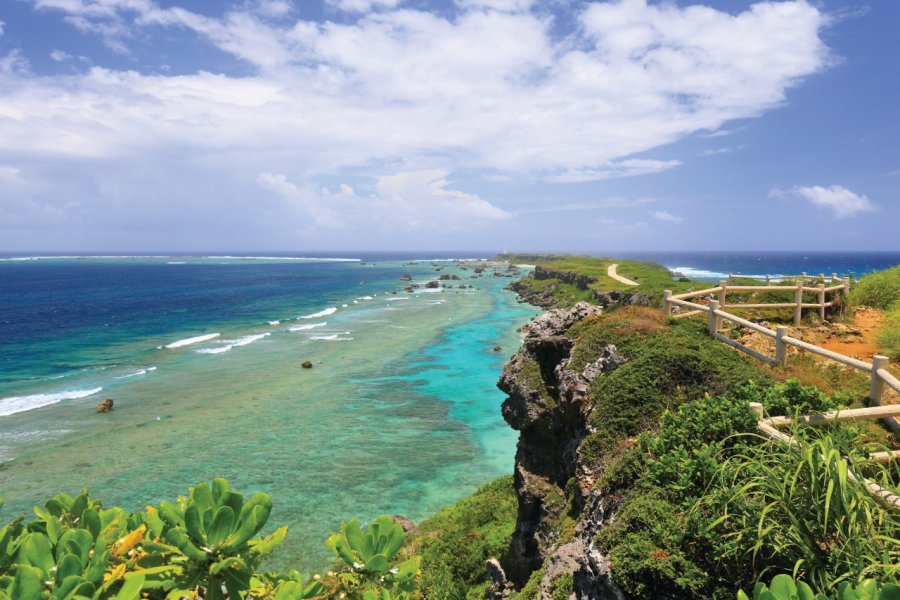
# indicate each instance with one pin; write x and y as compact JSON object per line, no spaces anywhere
{"x":880,"y":378}
{"x":797,"y":291}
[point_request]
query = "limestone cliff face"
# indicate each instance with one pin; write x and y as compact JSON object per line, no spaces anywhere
{"x":582,"y":282}
{"x":544,"y":297}
{"x":558,"y":513}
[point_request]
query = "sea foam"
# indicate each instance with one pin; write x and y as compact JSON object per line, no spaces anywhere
{"x":17,"y":404}
{"x":335,"y":337}
{"x":137,"y":373}
{"x":229,"y":344}
{"x":322,"y":313}
{"x":193,"y":340}
{"x":306,"y":327}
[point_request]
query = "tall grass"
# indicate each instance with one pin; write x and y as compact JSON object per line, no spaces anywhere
{"x":796,"y":509}
{"x":889,"y":335}
{"x":880,"y":289}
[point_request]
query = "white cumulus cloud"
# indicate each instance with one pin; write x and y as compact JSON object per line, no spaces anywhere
{"x":663,"y":215}
{"x":841,"y":201}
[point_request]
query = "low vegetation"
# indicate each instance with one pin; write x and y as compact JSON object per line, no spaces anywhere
{"x":652,"y":277}
{"x":455,"y":543}
{"x":881,"y":290}
{"x":203,"y":545}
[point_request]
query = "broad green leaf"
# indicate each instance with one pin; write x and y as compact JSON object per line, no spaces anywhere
{"x":220,"y":528}
{"x":27,"y":584}
{"x":131,"y":589}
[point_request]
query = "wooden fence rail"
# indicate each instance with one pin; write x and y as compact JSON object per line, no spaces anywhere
{"x":883,"y":496}
{"x":721,"y":294}
{"x":880,"y":378}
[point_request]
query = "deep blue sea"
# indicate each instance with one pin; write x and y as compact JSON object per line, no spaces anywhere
{"x":717,"y":265}
{"x":202,"y":357}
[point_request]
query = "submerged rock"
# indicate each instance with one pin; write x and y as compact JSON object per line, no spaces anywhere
{"x":306,"y":364}
{"x":105,"y":406}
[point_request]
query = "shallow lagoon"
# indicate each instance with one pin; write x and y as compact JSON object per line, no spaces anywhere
{"x":399,"y":415}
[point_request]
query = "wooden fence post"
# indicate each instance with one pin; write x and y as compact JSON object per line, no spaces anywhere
{"x":876,"y":387}
{"x":847,"y":287}
{"x":822,"y":277}
{"x":834,"y":277}
{"x":757,"y":408}
{"x":768,"y":280}
{"x":780,"y":347}
{"x":821,"y":287}
{"x":798,"y":300}
{"x":803,"y":276}
{"x":724,"y":285}
{"x":667,"y":307}
{"x":730,"y":278}
{"x":712,"y":323}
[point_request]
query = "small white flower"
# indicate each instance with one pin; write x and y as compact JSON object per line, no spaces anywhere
{"x":395,"y":570}
{"x":357,"y":565}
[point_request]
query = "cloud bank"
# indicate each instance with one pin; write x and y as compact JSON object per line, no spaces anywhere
{"x":388,"y":90}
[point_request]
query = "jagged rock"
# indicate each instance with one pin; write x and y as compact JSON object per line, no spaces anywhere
{"x":306,"y":364}
{"x":406,"y":278}
{"x":454,"y":277}
{"x":432,"y":285}
{"x":444,"y":277}
{"x":500,"y":586}
{"x":409,"y":528}
{"x":498,"y":348}
{"x":553,"y":421}
{"x":408,"y":289}
{"x":582,"y":282}
{"x":105,"y":406}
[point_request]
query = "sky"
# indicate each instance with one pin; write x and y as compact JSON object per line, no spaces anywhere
{"x":329,"y":125}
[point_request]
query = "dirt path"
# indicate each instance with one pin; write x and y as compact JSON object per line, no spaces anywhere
{"x":611,"y":271}
{"x":859,"y":339}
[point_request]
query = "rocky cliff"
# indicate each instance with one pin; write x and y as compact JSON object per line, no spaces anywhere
{"x":544,"y":296}
{"x":558,"y":514}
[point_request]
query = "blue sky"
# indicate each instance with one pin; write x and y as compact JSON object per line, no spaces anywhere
{"x":137,"y":125}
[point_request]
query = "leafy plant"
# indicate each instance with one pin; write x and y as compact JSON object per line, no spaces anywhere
{"x":784,"y":587}
{"x":202,"y":545}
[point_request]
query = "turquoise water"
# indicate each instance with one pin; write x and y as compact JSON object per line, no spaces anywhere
{"x":399,"y":415}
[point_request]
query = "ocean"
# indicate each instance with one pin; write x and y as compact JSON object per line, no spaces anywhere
{"x":202,"y":356}
{"x":400,"y":413}
{"x":714,"y":266}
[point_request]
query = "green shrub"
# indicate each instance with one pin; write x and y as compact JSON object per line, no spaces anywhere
{"x":665,"y":371}
{"x":879,"y":289}
{"x":456,"y":542}
{"x":202,"y":545}
{"x":784,"y":587}
{"x":888,"y":336}
{"x":644,"y":545}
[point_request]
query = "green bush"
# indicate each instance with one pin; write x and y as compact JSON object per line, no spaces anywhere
{"x":665,"y":371}
{"x":644,"y":544}
{"x":784,"y":587}
{"x":888,"y":336}
{"x":456,"y":542}
{"x":879,"y":289}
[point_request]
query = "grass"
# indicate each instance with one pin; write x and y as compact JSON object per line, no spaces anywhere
{"x":888,"y":337}
{"x":880,"y":289}
{"x":652,"y":277}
